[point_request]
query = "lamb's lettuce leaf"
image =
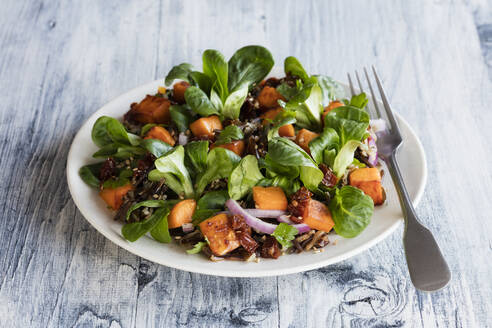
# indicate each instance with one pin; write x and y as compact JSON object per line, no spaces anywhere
{"x":196,"y":156}
{"x":350,"y":123}
{"x":229,"y":134}
{"x":199,"y":102}
{"x":220,"y":163}
{"x":171,"y":167}
{"x":249,"y":65}
{"x":181,"y":116}
{"x":351,"y":210}
{"x":180,"y":72}
{"x":292,"y":66}
{"x":244,"y":177}
{"x":215,"y":67}
{"x":328,"y":139}
{"x":285,"y":152}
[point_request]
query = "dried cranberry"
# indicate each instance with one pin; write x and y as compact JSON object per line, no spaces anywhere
{"x":108,"y":170}
{"x":299,"y":201}
{"x":270,"y":248}
{"x":238,"y":223}
{"x":296,"y":219}
{"x":248,"y":243}
{"x":329,"y":178}
{"x":272,"y":82}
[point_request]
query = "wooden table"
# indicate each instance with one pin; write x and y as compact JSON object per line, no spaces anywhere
{"x":60,"y":61}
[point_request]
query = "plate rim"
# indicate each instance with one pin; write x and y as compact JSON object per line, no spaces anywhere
{"x":229,"y":273}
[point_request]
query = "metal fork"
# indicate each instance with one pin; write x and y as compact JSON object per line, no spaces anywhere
{"x":427,"y":267}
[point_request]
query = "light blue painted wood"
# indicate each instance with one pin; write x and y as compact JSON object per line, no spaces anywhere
{"x":61,"y":61}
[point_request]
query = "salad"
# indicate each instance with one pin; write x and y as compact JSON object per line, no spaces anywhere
{"x":236,"y":166}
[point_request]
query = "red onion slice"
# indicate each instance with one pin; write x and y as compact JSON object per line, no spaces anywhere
{"x":253,"y":222}
{"x":258,"y":224}
{"x":182,"y":139}
{"x":373,"y":151}
{"x":188,"y":227}
{"x":269,"y":214}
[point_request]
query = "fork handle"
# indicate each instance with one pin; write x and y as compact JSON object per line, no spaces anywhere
{"x":427,"y":267}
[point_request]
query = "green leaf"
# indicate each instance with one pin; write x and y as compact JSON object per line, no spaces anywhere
{"x":282,"y":150}
{"x":180,"y":72}
{"x":215,"y":66}
{"x":171,"y":167}
{"x":350,"y":123}
{"x":233,"y":103}
{"x":133,"y":231}
{"x":220,"y":163}
{"x":160,"y":231}
{"x":358,"y":164}
{"x":328,"y":139}
{"x":181,"y":116}
{"x":196,"y":156}
{"x":149,"y":203}
{"x":203,"y":81}
{"x":345,"y":157}
{"x":229,"y":134}
{"x":216,"y":101}
{"x":89,"y":174}
{"x":351,"y":210}
{"x":213,"y":200}
{"x":249,"y":65}
{"x":199,"y":102}
{"x":107,"y":131}
{"x":287,"y":91}
{"x":359,"y":101}
{"x":275,"y":168}
{"x":292,"y":66}
{"x":244,"y":177}
{"x":288,"y":184}
{"x":99,"y":133}
{"x":156,"y":147}
{"x":284,"y":233}
{"x":330,"y":89}
{"x":197,"y":248}
{"x":307,"y":104}
{"x":118,"y":134}
{"x":146,"y":128}
{"x":329,"y":156}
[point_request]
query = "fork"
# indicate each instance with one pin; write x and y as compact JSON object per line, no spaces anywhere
{"x":427,"y":267}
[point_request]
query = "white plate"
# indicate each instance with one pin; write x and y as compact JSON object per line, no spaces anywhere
{"x":385,"y":220}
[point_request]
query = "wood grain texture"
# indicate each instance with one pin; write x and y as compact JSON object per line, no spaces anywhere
{"x":61,"y":61}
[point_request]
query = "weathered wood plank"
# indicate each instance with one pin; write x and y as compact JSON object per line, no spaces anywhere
{"x":61,"y":61}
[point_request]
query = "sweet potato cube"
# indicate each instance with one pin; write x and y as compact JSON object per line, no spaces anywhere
{"x":332,"y":105}
{"x":269,"y":198}
{"x":181,"y":213}
{"x":151,"y":110}
{"x":179,"y":91}
{"x":206,"y":126}
{"x":160,"y":133}
{"x":236,"y":146}
{"x":222,"y":239}
{"x":287,"y":131}
{"x":368,"y":180}
{"x":304,"y":137}
{"x":317,"y":216}
{"x":114,"y":196}
{"x":268,"y":97}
